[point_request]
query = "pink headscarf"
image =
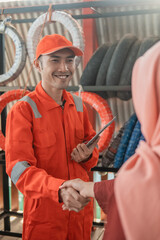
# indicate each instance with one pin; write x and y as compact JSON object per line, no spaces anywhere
{"x":137,"y":186}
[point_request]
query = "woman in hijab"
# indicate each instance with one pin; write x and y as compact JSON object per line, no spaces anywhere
{"x":132,"y":200}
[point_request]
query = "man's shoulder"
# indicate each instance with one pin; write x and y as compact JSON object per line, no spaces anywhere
{"x":24,"y":103}
{"x":78,"y":102}
{"x":30,"y":95}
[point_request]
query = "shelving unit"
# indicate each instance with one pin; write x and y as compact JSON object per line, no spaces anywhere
{"x":89,"y":4}
{"x":68,"y":6}
{"x":104,"y":169}
{"x":75,"y":88}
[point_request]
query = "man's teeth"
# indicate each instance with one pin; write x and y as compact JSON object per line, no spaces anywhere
{"x":62,"y":76}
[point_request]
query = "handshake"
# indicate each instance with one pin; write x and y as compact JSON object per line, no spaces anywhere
{"x":75,"y":194}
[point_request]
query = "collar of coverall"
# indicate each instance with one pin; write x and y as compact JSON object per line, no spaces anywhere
{"x":47,"y":101}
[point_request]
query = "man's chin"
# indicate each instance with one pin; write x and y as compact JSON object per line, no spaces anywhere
{"x":62,"y":87}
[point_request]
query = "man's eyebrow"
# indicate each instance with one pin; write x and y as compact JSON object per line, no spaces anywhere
{"x":55,"y":56}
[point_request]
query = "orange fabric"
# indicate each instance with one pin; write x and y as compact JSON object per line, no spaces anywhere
{"x":137,"y":184}
{"x":53,"y":43}
{"x":46,"y":144}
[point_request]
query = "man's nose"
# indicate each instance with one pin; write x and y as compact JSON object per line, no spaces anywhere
{"x":63,"y":66}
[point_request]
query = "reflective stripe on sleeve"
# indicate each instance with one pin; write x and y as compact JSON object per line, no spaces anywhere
{"x":33,"y":106}
{"x":78,"y":103}
{"x":17,"y":170}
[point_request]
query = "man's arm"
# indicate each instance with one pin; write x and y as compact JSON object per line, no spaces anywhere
{"x":21,"y":163}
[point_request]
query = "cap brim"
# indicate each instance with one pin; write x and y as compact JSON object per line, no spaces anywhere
{"x":76,"y":50}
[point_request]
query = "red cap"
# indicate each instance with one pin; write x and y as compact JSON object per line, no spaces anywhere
{"x":53,"y":43}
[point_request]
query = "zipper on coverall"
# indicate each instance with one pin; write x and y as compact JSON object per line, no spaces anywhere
{"x":62,"y":106}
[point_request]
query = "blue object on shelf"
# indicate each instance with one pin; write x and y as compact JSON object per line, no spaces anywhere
{"x":119,"y":157}
{"x":133,"y":142}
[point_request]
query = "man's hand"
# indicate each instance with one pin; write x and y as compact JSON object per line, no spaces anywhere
{"x":85,"y":189}
{"x":82,"y":153}
{"x":72,"y":199}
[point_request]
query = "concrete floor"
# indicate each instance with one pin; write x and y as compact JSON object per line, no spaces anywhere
{"x":16,"y":226}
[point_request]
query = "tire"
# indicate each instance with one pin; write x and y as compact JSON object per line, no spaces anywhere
{"x":66,"y":20}
{"x":146,"y":44}
{"x":4,"y":99}
{"x":90,"y":72}
{"x":118,"y":60}
{"x":102,"y":108}
{"x":20,"y":56}
{"x":101,"y":76}
{"x":102,"y":72}
{"x":126,"y":74}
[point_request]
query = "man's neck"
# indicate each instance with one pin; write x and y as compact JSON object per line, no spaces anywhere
{"x":55,"y":94}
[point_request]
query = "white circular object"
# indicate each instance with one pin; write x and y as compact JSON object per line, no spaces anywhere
{"x":20,"y":56}
{"x":64,"y":18}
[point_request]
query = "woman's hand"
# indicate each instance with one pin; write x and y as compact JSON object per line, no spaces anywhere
{"x":85,"y":189}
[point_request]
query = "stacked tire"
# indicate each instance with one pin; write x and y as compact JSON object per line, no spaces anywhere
{"x":112,"y":64}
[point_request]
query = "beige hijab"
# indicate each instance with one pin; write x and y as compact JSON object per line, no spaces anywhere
{"x":137,"y":186}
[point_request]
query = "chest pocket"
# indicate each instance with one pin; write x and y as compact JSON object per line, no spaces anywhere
{"x":44,"y":145}
{"x":79,"y":134}
{"x":44,"y":138}
{"x":79,"y":129}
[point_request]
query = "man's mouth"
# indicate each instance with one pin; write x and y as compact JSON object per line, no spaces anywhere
{"x":62,"y":76}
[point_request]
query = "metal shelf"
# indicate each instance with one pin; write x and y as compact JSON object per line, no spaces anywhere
{"x":98,"y":224}
{"x":67,"y":6}
{"x":99,"y":15}
{"x":90,"y":4}
{"x":11,"y":234}
{"x":104,"y":169}
{"x":76,"y":88}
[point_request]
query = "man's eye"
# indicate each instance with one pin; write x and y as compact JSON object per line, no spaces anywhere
{"x":54,"y":60}
{"x":70,"y":60}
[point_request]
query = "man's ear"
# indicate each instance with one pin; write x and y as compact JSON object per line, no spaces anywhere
{"x":37,"y":64}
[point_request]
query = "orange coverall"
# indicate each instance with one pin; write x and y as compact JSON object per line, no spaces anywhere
{"x":40,"y":137}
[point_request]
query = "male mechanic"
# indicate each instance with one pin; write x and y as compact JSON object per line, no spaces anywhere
{"x":45,"y":145}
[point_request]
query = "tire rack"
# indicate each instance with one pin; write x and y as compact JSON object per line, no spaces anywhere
{"x":6,"y":213}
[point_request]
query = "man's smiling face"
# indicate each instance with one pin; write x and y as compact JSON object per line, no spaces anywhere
{"x":57,"y":69}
